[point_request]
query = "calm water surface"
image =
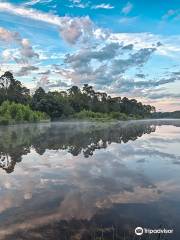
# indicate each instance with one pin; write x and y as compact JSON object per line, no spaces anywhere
{"x":89,"y":181}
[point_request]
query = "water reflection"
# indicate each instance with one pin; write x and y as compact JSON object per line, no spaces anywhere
{"x":74,"y":137}
{"x":88,"y":181}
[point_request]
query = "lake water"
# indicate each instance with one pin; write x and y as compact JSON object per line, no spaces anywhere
{"x":89,"y":181}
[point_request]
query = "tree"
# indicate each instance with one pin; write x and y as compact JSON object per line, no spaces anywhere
{"x":12,"y":90}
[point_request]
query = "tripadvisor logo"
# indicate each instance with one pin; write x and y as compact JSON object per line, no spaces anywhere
{"x":139,"y":231}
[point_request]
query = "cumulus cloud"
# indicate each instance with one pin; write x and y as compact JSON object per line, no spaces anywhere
{"x":90,"y":64}
{"x":48,"y":83}
{"x":25,"y":51}
{"x":103,"y":66}
{"x":127,"y":8}
{"x":85,"y":55}
{"x":136,"y":59}
{"x":71,"y":29}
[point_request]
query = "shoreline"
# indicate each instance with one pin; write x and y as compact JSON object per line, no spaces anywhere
{"x":75,"y":120}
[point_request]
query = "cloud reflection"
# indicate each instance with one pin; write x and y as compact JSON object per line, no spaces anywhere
{"x":53,"y":184}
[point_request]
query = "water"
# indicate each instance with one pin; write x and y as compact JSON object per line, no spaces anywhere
{"x":89,"y":181}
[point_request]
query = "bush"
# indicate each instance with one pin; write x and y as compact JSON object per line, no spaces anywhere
{"x":101,"y":116}
{"x":119,"y":116}
{"x":15,"y":112}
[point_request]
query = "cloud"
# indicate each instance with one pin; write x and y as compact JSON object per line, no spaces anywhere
{"x":147,"y":88}
{"x":78,"y":4}
{"x":71,"y":29}
{"x":171,"y":14}
{"x":24,"y":71}
{"x":45,"y":73}
{"x":6,"y":55}
{"x":8,"y":36}
{"x":166,"y":46}
{"x":128,"y":47}
{"x":25,"y":51}
{"x":127,"y":8}
{"x":103,"y":66}
{"x":84,"y":56}
{"x":90,"y":65}
{"x":136,"y":59}
{"x":34,"y":2}
{"x":102,"y":6}
{"x":140,"y":75}
{"x":163,"y":95}
{"x":74,"y":29}
{"x":47,"y":81}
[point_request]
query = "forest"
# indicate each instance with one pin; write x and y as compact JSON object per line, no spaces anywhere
{"x":17,"y":102}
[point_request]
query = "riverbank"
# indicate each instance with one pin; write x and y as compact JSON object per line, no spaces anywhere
{"x":97,"y":116}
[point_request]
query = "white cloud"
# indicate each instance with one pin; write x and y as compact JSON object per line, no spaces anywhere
{"x":127,"y":8}
{"x":24,"y":51}
{"x":34,"y":2}
{"x":71,"y":29}
{"x":6,"y":55}
{"x":79,"y":4}
{"x":8,"y":36}
{"x":103,"y":6}
{"x":169,"y":45}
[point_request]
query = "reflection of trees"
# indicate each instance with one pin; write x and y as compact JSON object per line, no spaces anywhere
{"x":88,"y":138}
{"x":75,"y":138}
{"x":14,"y":143}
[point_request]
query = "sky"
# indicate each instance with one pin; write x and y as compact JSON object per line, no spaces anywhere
{"x":126,"y":48}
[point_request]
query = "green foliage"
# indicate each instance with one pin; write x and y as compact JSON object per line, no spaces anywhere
{"x":12,"y":90}
{"x":119,"y":116}
{"x":85,"y":101}
{"x":81,"y":103}
{"x":100,"y":116}
{"x":11,"y":113}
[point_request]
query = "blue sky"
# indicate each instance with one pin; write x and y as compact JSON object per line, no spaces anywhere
{"x":126,"y":48}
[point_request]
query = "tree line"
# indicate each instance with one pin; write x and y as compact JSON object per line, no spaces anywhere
{"x":58,"y":104}
{"x":175,"y":114}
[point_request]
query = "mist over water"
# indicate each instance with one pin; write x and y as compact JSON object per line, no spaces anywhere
{"x":82,"y":180}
